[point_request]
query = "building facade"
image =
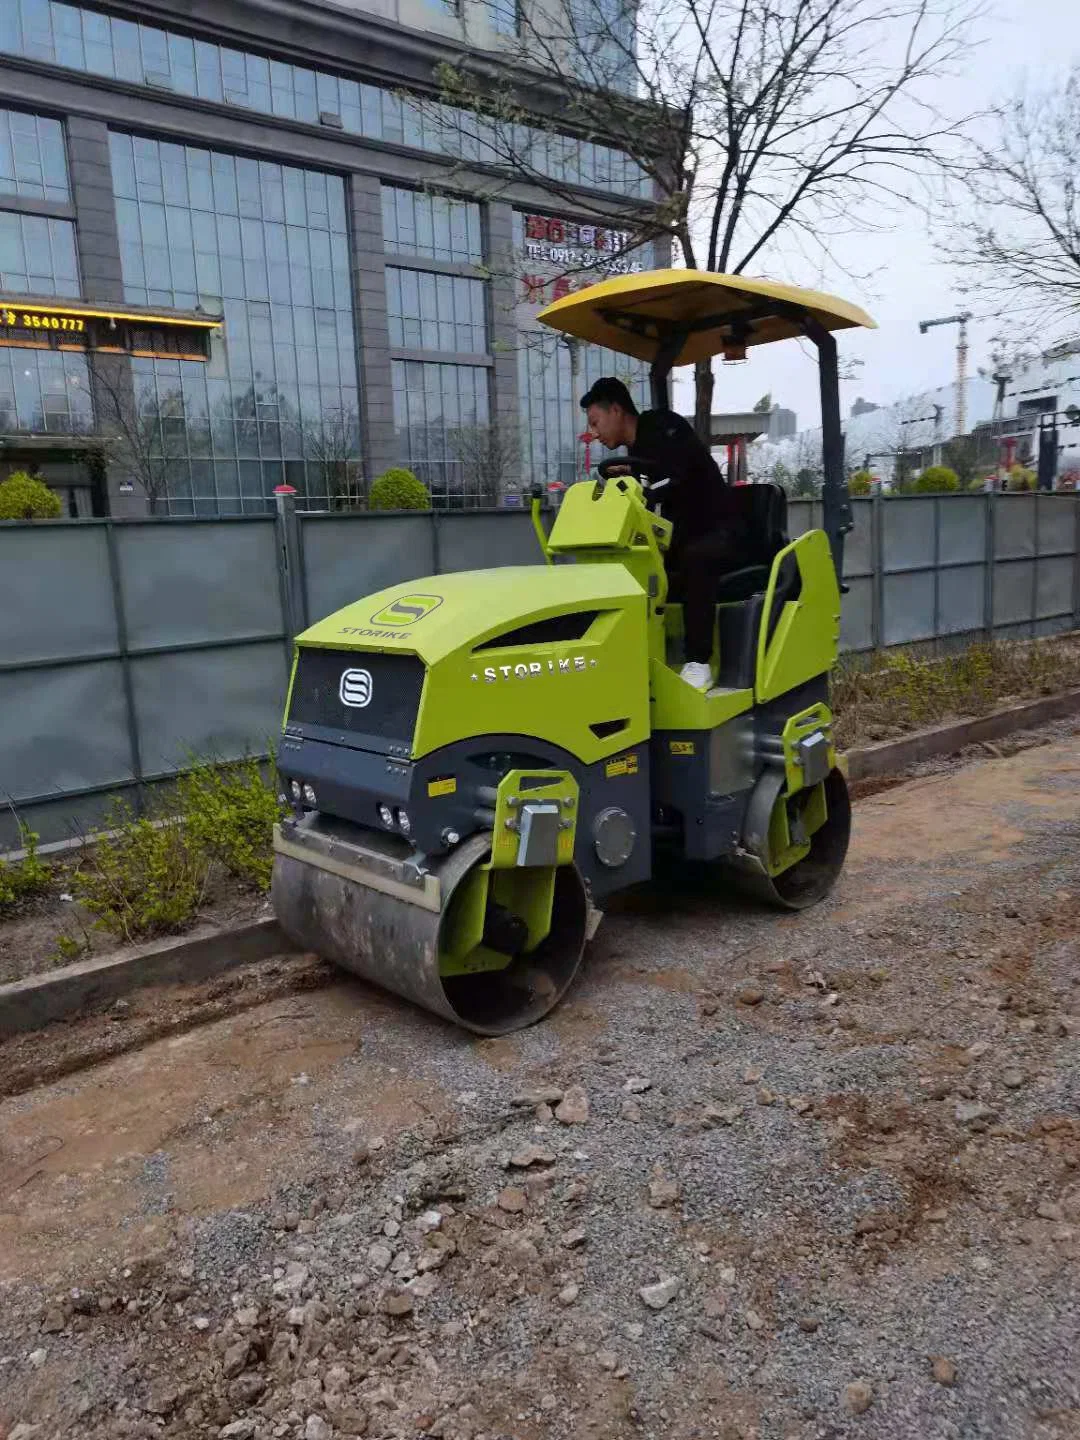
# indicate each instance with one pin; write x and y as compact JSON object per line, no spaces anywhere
{"x":283,"y":178}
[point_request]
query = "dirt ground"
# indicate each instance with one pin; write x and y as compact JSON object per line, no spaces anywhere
{"x":759,"y":1176}
{"x":55,"y":929}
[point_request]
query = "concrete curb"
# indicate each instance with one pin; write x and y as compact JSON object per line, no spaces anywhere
{"x":888,"y":757}
{"x":60,"y":994}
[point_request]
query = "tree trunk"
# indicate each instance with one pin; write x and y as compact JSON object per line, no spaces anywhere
{"x":703,"y":394}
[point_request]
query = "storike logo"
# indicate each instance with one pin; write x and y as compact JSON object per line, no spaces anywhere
{"x":526,"y":670}
{"x":355,"y":689}
{"x":406,"y":610}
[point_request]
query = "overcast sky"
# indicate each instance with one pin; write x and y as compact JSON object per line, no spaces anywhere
{"x":1025,"y":43}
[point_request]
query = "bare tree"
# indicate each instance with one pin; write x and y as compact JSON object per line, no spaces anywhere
{"x":489,"y":455}
{"x":143,"y":431}
{"x":332,"y":444}
{"x":752,"y":124}
{"x":1024,"y":245}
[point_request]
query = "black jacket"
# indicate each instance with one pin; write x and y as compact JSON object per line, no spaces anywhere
{"x":695,"y":499}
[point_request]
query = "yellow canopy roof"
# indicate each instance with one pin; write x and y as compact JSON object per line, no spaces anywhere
{"x":634,"y":314}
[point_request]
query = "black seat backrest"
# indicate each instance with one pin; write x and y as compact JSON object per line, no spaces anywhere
{"x":761,"y":511}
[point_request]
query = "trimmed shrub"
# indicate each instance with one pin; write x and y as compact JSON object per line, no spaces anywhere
{"x":861,"y":483}
{"x":935,"y":479}
{"x":398,"y":489}
{"x":1021,"y":478}
{"x":23,"y":497}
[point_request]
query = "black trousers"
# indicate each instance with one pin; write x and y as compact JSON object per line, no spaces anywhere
{"x":693,"y":572}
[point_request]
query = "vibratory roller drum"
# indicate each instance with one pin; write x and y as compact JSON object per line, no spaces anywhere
{"x":492,"y":950}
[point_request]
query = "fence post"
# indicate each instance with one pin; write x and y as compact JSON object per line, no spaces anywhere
{"x":1035,"y":566}
{"x":877,"y":566}
{"x":290,"y":563}
{"x":938,"y":502}
{"x":120,"y":612}
{"x":991,"y":541}
{"x":436,"y":556}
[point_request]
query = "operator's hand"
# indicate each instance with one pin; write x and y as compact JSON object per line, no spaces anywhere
{"x":619,"y":469}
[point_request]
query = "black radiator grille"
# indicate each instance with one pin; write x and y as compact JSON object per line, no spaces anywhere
{"x":357,"y":693}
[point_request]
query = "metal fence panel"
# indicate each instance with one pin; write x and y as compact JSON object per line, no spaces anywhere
{"x":196,"y":583}
{"x":962,"y":529}
{"x":1014,"y":590}
{"x":799,"y":517}
{"x":64,"y":818}
{"x":859,"y":544}
{"x":857,"y":615}
{"x":1057,"y":524}
{"x":1055,"y":626}
{"x":64,"y":729}
{"x":216,"y":704}
{"x":1054,"y":587}
{"x":125,"y":647}
{"x":475,"y":542}
{"x":1014,"y":526}
{"x":961,"y":599}
{"x":909,"y":534}
{"x":55,"y":592}
{"x":349,"y":556}
{"x":908,"y":603}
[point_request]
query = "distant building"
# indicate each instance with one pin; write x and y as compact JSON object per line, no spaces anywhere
{"x":255,"y":230}
{"x":782,"y":423}
{"x":863,"y":407}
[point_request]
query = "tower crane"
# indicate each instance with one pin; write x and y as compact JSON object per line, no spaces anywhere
{"x":961,"y":362}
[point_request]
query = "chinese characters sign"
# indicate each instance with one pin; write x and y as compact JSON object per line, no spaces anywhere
{"x":48,"y":327}
{"x":559,"y":256}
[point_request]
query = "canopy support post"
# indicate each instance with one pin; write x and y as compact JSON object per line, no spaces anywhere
{"x":660,"y":369}
{"x":835,"y":501}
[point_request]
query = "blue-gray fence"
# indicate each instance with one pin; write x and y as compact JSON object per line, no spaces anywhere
{"x":128,"y":646}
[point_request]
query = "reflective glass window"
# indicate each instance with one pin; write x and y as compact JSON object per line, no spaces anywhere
{"x":281,"y":383}
{"x":438,"y":412}
{"x":82,"y":39}
{"x":33,"y":161}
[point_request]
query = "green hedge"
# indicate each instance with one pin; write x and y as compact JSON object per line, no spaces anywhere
{"x":398,"y":489}
{"x":22,"y":497}
{"x":935,"y":479}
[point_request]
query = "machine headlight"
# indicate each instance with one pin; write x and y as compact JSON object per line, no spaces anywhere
{"x":404,"y":822}
{"x":295,"y":790}
{"x":386,"y":815}
{"x":309,"y":795}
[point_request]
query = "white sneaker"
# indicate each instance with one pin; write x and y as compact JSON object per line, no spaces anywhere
{"x":698,"y":674}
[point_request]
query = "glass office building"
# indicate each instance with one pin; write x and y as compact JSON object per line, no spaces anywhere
{"x":376,"y":291}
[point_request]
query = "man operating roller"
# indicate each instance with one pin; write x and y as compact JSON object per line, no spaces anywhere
{"x":689,"y":490}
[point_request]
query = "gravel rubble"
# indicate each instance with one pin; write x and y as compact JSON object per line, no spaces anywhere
{"x":761,"y":1178}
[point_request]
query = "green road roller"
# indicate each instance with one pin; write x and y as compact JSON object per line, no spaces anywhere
{"x":479,"y":761}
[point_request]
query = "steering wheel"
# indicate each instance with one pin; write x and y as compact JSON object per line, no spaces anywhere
{"x":626,"y":464}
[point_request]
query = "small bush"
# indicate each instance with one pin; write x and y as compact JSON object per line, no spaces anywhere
{"x":1021,"y":478}
{"x":398,"y":490}
{"x":936,"y":479}
{"x":25,"y":879}
{"x":978,"y":485}
{"x":229,"y":812}
{"x":861,"y":483}
{"x":144,"y":880}
{"x":22,"y":497}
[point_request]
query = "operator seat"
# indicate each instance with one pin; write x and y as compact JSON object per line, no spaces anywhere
{"x":761,"y":513}
{"x":740,"y":594}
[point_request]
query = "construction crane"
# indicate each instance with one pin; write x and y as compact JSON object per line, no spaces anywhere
{"x":961,"y":362}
